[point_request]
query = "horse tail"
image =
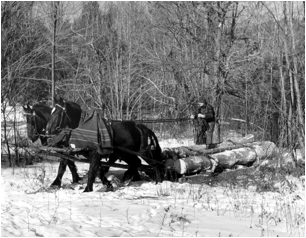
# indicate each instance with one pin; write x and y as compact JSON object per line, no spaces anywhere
{"x":160,"y":171}
{"x":152,"y":150}
{"x":148,"y":134}
{"x":143,"y":137}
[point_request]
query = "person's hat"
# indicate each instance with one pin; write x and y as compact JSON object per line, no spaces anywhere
{"x":202,"y":101}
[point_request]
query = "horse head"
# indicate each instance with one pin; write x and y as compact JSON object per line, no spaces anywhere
{"x":64,"y":114}
{"x":36,"y":117}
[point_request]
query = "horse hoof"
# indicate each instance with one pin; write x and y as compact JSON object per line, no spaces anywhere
{"x":109,"y":189}
{"x":127,"y":182}
{"x":86,"y":190}
{"x":55,"y":186}
{"x":136,"y":178}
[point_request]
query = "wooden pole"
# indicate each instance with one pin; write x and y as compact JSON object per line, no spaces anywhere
{"x":55,"y":6}
{"x":55,"y":154}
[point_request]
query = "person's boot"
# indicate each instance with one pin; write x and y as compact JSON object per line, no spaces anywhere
{"x":209,"y":143}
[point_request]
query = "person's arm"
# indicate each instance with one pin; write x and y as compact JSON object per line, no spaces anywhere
{"x":206,"y":113}
{"x":194,"y":116}
{"x":200,"y":115}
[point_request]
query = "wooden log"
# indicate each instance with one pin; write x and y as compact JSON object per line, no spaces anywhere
{"x":204,"y":151}
{"x":246,"y":139}
{"x":142,"y":167}
{"x":53,"y":149}
{"x":192,"y":164}
{"x":186,"y":151}
{"x":232,"y":156}
{"x":228,"y":159}
{"x":177,"y":152}
{"x":265,"y":149}
{"x":229,"y":145}
{"x":55,"y":156}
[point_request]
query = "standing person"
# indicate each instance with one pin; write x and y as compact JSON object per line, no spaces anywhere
{"x":204,"y":124}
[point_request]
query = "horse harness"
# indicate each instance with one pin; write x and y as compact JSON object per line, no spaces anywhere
{"x":64,"y":111}
{"x":33,"y":114}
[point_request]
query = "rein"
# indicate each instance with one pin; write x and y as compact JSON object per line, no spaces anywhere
{"x":156,"y":120}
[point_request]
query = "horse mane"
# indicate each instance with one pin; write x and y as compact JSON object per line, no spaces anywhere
{"x":75,"y":112}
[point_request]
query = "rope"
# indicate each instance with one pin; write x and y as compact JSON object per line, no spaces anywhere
{"x":156,"y":120}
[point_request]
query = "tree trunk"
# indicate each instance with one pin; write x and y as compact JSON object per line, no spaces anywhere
{"x":300,"y":113}
{"x":55,"y":6}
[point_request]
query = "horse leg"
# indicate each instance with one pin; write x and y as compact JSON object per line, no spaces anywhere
{"x":158,"y":176}
{"x":74,"y":171}
{"x":93,"y":168}
{"x":104,"y":170}
{"x":156,"y":168}
{"x":61,"y":170}
{"x":132,"y":173}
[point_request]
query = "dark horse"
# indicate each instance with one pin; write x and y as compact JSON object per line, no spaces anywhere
{"x":37,"y":117}
{"x":126,"y":135}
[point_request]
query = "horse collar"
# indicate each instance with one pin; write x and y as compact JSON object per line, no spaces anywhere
{"x":63,"y":108}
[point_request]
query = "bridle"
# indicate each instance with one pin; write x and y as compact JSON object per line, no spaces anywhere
{"x":64,"y":111}
{"x":33,"y":114}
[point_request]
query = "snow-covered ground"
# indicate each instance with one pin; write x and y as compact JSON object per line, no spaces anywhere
{"x":29,"y":208}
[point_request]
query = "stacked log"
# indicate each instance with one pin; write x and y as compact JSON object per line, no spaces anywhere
{"x":195,"y":159}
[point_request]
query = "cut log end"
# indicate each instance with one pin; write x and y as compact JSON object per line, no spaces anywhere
{"x":192,"y":164}
{"x":180,"y":166}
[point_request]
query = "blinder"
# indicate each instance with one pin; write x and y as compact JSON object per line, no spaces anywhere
{"x":33,"y":114}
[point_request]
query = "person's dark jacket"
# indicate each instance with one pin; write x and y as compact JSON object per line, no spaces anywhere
{"x":208,"y":111}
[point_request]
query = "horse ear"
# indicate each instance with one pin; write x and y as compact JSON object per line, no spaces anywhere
{"x":29,"y":106}
{"x":61,"y":100}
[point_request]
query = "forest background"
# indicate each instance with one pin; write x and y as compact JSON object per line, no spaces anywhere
{"x":134,"y":59}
